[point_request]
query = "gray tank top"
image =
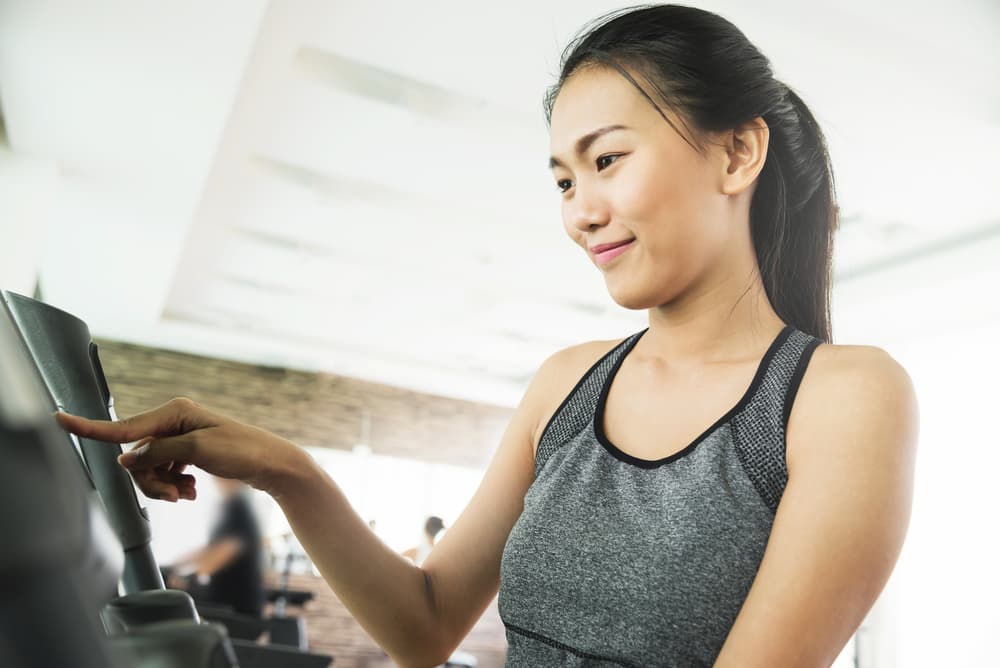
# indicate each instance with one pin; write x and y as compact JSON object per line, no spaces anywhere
{"x":619,"y":561}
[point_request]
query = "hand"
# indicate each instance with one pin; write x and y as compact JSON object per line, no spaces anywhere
{"x":176,"y":582}
{"x":179,"y":433}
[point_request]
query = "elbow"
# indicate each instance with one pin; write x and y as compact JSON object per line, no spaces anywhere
{"x":424,"y":661}
{"x":428,"y":654}
{"x":418,"y":646}
{"x":434,"y":644}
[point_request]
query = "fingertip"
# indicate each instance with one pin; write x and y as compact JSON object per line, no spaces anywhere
{"x":169,"y":495}
{"x":188,"y":490}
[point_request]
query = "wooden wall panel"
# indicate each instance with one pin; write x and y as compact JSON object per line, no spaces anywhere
{"x":310,"y":409}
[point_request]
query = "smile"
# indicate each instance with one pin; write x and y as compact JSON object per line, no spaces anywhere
{"x":607,"y":252}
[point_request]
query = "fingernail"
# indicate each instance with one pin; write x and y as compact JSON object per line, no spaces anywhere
{"x":126,"y":458}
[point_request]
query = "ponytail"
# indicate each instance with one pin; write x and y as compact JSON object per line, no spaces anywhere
{"x":793,"y":217}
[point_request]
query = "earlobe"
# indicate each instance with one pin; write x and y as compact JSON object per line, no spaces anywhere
{"x":746,"y":149}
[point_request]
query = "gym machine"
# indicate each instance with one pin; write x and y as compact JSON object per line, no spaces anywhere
{"x":77,"y":534}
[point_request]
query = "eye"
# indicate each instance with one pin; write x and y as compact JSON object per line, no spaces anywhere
{"x":604,"y":161}
{"x":563,"y":185}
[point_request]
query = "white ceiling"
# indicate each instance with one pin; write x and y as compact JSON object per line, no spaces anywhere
{"x":361,"y":187}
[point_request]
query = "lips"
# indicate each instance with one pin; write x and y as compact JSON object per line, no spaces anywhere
{"x":604,"y":253}
{"x":600,"y":248}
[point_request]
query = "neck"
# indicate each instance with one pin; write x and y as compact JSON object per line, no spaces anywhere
{"x":723,"y":318}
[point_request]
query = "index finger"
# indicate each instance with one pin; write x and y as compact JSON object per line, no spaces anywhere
{"x":172,"y":418}
{"x":99,"y":430}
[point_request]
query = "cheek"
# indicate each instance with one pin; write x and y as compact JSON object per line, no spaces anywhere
{"x":646,"y":191}
{"x":668,"y":201}
{"x":670,"y":209}
{"x":677,"y":183}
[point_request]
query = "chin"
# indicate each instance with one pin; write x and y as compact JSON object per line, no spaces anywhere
{"x":632,"y":300}
{"x":639,"y":296}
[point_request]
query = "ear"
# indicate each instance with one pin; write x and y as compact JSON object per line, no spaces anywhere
{"x":746,"y":148}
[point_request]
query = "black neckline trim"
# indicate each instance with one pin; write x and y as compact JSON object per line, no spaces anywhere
{"x":579,"y":384}
{"x":598,"y":421}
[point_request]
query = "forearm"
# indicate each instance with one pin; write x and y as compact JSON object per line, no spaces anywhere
{"x":217,"y":555}
{"x":388,"y":595}
{"x":186,"y":564}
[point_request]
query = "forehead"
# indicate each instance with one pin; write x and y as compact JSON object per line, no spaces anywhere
{"x":595,"y":97}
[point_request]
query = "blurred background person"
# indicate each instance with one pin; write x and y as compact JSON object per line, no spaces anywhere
{"x":432,"y":527}
{"x":228,"y":571}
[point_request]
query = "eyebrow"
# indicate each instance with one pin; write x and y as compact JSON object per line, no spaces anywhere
{"x":584,"y":142}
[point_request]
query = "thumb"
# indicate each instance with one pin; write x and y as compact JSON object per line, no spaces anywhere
{"x":153,"y":452}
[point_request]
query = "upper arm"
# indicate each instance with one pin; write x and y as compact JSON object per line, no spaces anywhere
{"x":463,"y":569}
{"x":851,"y":446}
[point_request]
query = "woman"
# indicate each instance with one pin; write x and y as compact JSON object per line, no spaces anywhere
{"x":623,"y":520}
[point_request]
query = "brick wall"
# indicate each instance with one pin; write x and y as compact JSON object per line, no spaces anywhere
{"x":308,"y":408}
{"x":322,"y":410}
{"x":332,"y":630}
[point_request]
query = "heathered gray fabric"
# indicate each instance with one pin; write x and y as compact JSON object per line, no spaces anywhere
{"x":617,"y":561}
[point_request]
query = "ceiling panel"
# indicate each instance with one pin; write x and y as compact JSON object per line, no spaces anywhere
{"x":362,"y":187}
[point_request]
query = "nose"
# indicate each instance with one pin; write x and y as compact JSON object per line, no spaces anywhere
{"x":585,"y":211}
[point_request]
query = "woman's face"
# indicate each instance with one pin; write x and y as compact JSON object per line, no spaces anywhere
{"x":645,"y":205}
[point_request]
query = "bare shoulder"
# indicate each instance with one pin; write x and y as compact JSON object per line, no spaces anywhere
{"x":557,"y":377}
{"x":852,"y":389}
{"x":579,"y":357}
{"x":835,"y":369}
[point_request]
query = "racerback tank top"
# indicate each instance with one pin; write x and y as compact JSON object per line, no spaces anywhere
{"x":619,"y":561}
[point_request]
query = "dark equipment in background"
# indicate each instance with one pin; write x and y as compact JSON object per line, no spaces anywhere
{"x":284,"y":628}
{"x":60,"y":496}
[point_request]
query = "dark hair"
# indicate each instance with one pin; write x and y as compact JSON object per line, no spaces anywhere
{"x":704,"y":69}
{"x":433,"y":526}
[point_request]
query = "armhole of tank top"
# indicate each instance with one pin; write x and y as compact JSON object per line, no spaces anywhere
{"x":576,"y":388}
{"x":793,"y":383}
{"x":758,"y":437}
